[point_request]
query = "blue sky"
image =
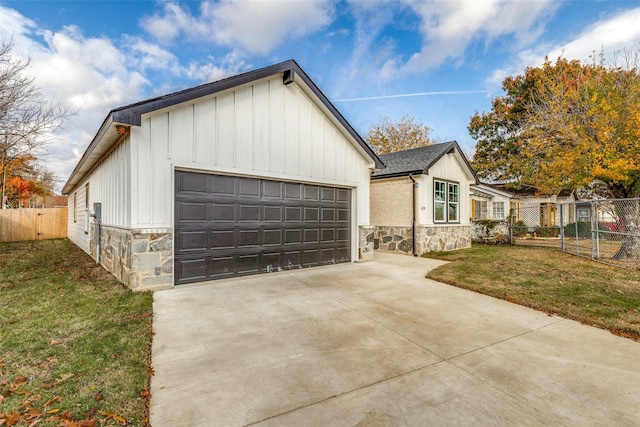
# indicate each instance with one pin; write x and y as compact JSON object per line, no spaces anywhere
{"x":439,"y":61}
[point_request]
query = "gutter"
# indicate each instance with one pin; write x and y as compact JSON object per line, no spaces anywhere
{"x":414,"y":185}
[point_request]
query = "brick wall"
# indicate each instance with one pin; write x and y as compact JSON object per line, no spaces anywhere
{"x":391,"y":202}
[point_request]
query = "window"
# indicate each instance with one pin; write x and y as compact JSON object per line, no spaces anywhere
{"x":498,"y":210}
{"x":480,"y":209}
{"x":86,"y":208}
{"x":583,"y":215}
{"x":446,"y":201}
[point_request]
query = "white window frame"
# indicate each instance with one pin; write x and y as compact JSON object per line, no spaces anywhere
{"x":498,"y":213}
{"x":447,"y":201}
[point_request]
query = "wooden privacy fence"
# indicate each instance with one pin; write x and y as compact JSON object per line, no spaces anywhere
{"x":32,"y":224}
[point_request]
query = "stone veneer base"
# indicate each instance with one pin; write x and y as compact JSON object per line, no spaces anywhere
{"x":139,"y":259}
{"x":428,"y":238}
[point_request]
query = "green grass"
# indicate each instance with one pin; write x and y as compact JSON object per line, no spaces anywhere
{"x":550,"y":281}
{"x":74,"y":342}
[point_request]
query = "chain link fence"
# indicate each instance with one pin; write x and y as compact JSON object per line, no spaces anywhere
{"x":604,"y":230}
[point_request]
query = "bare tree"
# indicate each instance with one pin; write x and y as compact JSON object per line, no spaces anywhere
{"x":27,"y":119}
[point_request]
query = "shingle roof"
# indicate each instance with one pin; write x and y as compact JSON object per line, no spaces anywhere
{"x":415,"y":160}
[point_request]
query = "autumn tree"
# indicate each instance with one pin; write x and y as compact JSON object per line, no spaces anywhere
{"x":27,"y":119}
{"x":566,"y":125}
{"x":388,"y":136}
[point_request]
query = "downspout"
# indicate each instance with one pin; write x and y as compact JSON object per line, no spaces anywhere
{"x":413,"y":210}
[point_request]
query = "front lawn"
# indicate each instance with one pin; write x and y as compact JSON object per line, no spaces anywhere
{"x":550,"y":281}
{"x":74,"y":342}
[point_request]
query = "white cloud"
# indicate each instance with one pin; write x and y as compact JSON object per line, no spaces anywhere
{"x":253,"y":26}
{"x":89,"y":74}
{"x":613,"y":34}
{"x":449,"y":27}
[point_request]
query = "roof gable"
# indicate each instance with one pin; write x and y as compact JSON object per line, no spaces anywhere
{"x":419,"y":160}
{"x":131,"y":115}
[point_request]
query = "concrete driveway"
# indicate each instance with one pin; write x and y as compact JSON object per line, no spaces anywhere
{"x":377,"y":344}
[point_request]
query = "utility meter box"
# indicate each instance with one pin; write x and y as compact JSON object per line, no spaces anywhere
{"x":97,"y":211}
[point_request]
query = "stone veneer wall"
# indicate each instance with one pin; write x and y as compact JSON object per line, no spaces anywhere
{"x":365,"y":242}
{"x":139,"y":259}
{"x":428,"y":238}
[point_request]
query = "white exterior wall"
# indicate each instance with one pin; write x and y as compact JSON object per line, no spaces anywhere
{"x":262,"y":129}
{"x":449,"y":169}
{"x":109,"y":184}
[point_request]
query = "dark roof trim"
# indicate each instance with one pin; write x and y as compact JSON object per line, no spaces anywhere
{"x":132,"y":114}
{"x":399,"y":174}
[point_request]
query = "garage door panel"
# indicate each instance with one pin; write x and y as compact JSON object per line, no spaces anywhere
{"x":311,"y":214}
{"x":291,"y":259}
{"x":248,"y":264}
{"x":292,"y":236}
{"x":272,"y":189}
{"x":192,"y":269}
{"x":193,"y":240}
{"x":292,"y":214}
{"x":272,"y":213}
{"x":249,"y":187}
{"x":271,"y":262}
{"x":222,"y":266}
{"x":343,"y":195}
{"x":193,"y":211}
{"x":311,"y":192}
{"x":222,"y":239}
{"x":327,"y":256}
{"x":248,"y":238}
{"x":272,"y":237}
{"x":249,"y":213}
{"x":240,"y":226}
{"x":328,"y":194}
{"x":223,"y":212}
{"x":193,"y":183}
{"x":292,"y":191}
{"x":222,"y":185}
{"x":311,"y":235}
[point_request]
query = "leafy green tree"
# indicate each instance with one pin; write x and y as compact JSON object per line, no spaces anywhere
{"x":388,"y":136}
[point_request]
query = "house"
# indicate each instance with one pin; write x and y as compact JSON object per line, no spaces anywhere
{"x":528,"y":206}
{"x":251,"y":174}
{"x":488,"y":202}
{"x":420,"y":201}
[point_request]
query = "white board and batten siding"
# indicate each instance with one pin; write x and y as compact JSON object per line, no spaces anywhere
{"x":110,"y":184}
{"x":261,"y":129}
{"x":448,"y":168}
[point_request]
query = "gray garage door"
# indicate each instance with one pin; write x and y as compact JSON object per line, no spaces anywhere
{"x":229,"y":226}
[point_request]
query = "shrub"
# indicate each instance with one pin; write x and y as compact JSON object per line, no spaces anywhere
{"x":520,"y":229}
{"x":547,"y":231}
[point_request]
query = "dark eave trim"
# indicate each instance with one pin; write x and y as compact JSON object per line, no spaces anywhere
{"x":398,"y":174}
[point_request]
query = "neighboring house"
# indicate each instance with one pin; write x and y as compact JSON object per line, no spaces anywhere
{"x":251,"y":174}
{"x":529,"y":208}
{"x":489,"y":203}
{"x":420,"y":201}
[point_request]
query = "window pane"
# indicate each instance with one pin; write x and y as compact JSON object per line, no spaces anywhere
{"x":453,"y":212}
{"x":498,"y":210}
{"x":453,"y":193}
{"x":438,"y":211}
